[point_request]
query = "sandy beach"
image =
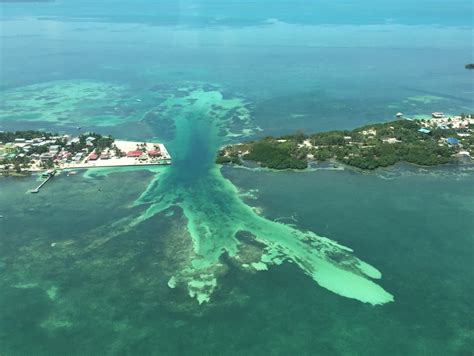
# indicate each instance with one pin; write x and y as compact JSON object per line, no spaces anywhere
{"x":114,"y":161}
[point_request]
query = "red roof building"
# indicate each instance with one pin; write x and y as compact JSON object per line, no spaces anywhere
{"x":154,"y":153}
{"x":136,"y":153}
{"x":93,"y":156}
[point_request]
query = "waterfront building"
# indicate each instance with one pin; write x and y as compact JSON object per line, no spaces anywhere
{"x":154,"y":153}
{"x":136,"y":153}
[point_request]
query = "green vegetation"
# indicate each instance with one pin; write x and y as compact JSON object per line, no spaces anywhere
{"x":368,"y":147}
{"x":10,"y":136}
{"x":277,"y":156}
{"x":99,"y":143}
{"x":221,"y":159}
{"x":16,"y":164}
{"x":268,"y":153}
{"x":469,"y":66}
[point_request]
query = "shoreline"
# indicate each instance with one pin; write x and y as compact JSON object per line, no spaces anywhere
{"x":63,"y":156}
{"x":330,"y":166}
{"x":98,"y":166}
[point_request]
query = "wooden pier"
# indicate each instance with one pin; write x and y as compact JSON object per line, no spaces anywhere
{"x":50,"y":175}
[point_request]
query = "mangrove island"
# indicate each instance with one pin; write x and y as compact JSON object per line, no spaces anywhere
{"x":426,"y":142}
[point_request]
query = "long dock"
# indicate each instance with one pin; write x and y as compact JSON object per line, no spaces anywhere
{"x":51,"y":175}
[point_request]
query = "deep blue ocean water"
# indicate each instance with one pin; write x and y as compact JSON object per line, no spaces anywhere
{"x":312,"y":65}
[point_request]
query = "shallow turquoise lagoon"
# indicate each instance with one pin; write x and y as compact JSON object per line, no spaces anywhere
{"x":198,"y":259}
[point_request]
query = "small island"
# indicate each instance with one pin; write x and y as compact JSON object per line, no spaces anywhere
{"x":427,"y":142}
{"x":469,"y":66}
{"x":24,"y":152}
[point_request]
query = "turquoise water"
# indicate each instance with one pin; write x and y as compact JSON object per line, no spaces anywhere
{"x":192,"y":259}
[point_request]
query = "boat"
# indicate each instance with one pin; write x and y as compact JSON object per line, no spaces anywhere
{"x":71,"y":173}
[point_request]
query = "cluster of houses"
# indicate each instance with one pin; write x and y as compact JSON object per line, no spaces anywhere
{"x":77,"y":152}
{"x":458,"y":134}
{"x":143,"y":152}
{"x":440,"y":121}
{"x":460,"y":124}
{"x":45,"y":149}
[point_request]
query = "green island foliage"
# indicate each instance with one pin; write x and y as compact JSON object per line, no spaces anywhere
{"x":367,"y":148}
{"x":11,"y":136}
{"x":276,"y":155}
{"x":469,"y":66}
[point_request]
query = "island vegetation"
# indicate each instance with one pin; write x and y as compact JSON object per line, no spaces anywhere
{"x":469,"y":66}
{"x":422,"y":142}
